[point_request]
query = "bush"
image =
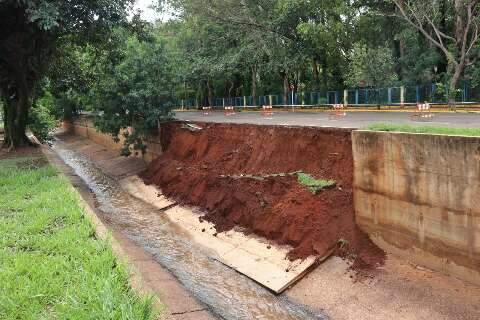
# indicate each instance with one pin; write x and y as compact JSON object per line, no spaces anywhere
{"x":41,"y":119}
{"x":314,"y":185}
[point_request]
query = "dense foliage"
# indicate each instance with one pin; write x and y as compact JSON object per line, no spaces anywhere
{"x":135,"y":72}
{"x":31,"y":36}
{"x":251,"y":48}
{"x":136,"y":92}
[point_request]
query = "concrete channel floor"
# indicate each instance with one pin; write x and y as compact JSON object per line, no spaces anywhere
{"x":148,"y":276}
{"x":397,"y":290}
{"x":325,"y":119}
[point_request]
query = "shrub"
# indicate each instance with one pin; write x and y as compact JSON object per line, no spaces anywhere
{"x":41,"y":119}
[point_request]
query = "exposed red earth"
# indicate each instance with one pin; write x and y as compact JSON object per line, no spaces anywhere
{"x":223,"y":170}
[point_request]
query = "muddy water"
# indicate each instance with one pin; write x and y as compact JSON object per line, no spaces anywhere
{"x":226,"y":293}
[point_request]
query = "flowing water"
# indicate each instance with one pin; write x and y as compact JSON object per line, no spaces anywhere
{"x":226,"y":293}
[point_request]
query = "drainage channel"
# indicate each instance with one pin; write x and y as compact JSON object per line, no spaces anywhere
{"x":227,"y":294}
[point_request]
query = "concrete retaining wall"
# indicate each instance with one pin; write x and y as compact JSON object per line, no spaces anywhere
{"x":83,"y":126}
{"x":418,"y":196}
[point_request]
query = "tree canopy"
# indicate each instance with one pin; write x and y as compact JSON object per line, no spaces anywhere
{"x":31,"y":36}
{"x":86,"y":55}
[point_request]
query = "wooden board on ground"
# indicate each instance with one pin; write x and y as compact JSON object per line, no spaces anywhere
{"x":255,"y":257}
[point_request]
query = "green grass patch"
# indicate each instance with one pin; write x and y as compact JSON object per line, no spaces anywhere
{"x":314,"y":185}
{"x":425,"y":129}
{"x":51,"y":264}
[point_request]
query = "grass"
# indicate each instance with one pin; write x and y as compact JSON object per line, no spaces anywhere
{"x":425,"y":129}
{"x":51,"y":264}
{"x":314,"y":185}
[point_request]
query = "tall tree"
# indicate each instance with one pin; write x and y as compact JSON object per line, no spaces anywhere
{"x":459,"y":43}
{"x":135,"y":93}
{"x":30,"y":31}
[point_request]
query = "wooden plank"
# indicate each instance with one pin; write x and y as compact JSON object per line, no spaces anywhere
{"x":257,"y":258}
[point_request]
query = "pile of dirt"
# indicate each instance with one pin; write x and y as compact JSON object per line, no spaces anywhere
{"x":238,"y":175}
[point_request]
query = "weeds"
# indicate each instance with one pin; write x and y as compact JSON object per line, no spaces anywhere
{"x":343,"y":244}
{"x":314,"y":185}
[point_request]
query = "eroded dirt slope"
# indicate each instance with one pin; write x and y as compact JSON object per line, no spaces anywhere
{"x":224,"y":170}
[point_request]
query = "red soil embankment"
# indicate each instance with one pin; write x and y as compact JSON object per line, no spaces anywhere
{"x":204,"y":169}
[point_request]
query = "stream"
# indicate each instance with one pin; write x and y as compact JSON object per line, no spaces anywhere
{"x":226,"y":293}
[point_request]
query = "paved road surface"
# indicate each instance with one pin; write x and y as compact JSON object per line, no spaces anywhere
{"x":324,"y":119}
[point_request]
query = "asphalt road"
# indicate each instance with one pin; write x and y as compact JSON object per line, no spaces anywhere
{"x":325,"y":119}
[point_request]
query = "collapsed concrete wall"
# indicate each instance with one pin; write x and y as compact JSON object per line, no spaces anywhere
{"x":83,"y":126}
{"x":418,"y":196}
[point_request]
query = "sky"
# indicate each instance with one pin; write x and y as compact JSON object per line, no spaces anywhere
{"x":148,"y":13}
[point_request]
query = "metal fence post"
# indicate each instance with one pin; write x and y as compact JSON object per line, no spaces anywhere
{"x":389,"y":95}
{"x":417,"y":89}
{"x":345,"y":97}
{"x":356,"y":96}
{"x":402,"y":96}
{"x":244,"y":101}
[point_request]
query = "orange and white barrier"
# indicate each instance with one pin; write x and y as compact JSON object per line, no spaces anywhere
{"x":423,"y":111}
{"x":206,"y":110}
{"x":267,"y":110}
{"x":338,"y":110}
{"x":229,"y":111}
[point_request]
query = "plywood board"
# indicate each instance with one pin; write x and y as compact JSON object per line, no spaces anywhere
{"x":257,"y":258}
{"x":264,"y":262}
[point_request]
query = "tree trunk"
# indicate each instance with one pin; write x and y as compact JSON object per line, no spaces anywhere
{"x":210,"y":94}
{"x":315,"y":72}
{"x":254,"y":84}
{"x":452,"y":88}
{"x":324,"y":73}
{"x":230,"y":89}
{"x":16,"y":117}
{"x":286,"y":86}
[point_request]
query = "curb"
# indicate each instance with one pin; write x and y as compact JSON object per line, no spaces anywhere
{"x":299,"y":110}
{"x":147,"y":277}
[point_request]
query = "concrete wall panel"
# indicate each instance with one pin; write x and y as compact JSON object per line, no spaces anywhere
{"x":418,"y":195}
{"x":84,"y":127}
